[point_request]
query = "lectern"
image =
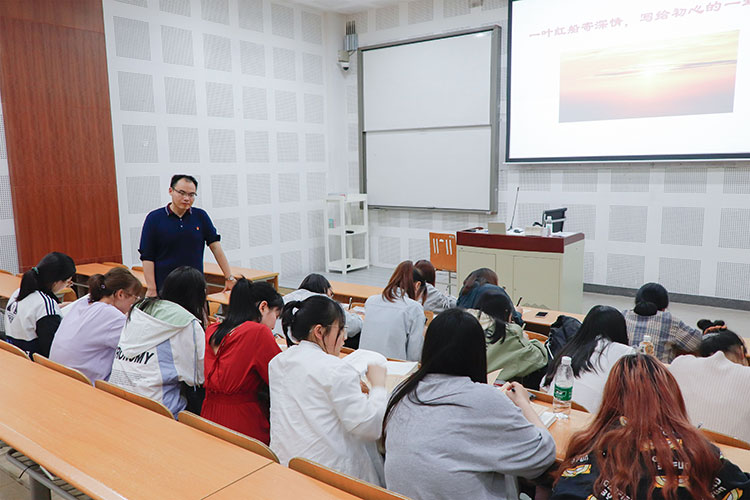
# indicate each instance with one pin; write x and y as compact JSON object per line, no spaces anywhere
{"x":543,"y":271}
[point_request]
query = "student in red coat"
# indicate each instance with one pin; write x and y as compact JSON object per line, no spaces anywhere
{"x":236,"y":364}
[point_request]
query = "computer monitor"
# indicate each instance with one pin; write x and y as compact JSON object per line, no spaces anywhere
{"x":558,"y":218}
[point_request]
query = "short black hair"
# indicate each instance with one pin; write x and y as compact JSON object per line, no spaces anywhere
{"x":177,"y":177}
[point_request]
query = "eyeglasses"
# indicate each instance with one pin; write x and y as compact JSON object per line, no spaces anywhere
{"x":185,"y":193}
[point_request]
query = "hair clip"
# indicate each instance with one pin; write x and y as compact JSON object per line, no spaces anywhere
{"x":35,"y":269}
{"x":716,"y":328}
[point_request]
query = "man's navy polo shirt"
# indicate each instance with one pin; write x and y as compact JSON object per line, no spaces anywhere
{"x":170,"y":241}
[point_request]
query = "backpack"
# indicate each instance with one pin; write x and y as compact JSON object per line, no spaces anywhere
{"x":560,"y":332}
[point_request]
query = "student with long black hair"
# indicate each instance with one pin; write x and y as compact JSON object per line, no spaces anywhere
{"x":163,"y":342}
{"x":318,"y":409}
{"x":450,"y":435}
{"x":238,"y":351}
{"x":670,"y":336}
{"x":600,"y":342}
{"x":32,"y":314}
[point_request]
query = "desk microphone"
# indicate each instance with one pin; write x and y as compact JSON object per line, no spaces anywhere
{"x":514,"y":208}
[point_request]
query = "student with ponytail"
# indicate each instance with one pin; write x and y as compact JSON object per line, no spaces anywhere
{"x":318,"y":408}
{"x":394,"y":320}
{"x":32,"y":314}
{"x":236,"y":364}
{"x":670,"y":336}
{"x":90,"y":330}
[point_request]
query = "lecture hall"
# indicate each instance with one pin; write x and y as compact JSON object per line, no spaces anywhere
{"x":258,"y":237}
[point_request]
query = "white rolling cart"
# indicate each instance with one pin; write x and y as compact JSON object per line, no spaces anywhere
{"x":346,"y":232}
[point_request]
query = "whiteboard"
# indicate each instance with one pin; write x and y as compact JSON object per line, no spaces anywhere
{"x":453,"y":171}
{"x":436,"y":83}
{"x":429,"y":122}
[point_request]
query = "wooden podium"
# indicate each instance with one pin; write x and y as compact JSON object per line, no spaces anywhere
{"x":544,"y":272}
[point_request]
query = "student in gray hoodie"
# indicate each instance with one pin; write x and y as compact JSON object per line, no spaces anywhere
{"x":450,"y":435}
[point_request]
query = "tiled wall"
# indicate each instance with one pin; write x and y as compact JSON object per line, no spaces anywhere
{"x":686,"y":225}
{"x":8,"y":252}
{"x":233,"y":92}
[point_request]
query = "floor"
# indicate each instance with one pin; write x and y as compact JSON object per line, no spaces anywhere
{"x":12,"y":488}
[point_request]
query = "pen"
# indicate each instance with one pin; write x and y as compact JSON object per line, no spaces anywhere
{"x":519,"y":301}
{"x":351,"y":299}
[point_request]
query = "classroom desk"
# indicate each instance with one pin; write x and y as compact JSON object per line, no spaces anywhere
{"x":562,"y":430}
{"x":276,"y":482}
{"x":541,"y":324}
{"x":342,"y":292}
{"x":108,"y":447}
{"x":88,"y":270}
{"x":9,"y":283}
{"x":215,"y":276}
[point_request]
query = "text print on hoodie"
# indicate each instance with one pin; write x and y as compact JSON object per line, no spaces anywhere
{"x":159,"y":348}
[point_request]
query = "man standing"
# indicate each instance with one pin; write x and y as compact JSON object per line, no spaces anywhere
{"x":174,"y":236}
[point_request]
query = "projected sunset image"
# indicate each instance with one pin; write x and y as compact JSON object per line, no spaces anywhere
{"x":684,"y":76}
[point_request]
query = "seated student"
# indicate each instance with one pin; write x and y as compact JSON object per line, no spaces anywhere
{"x":519,"y":358}
{"x":394,"y":320}
{"x":163,"y":342}
{"x":475,"y":284}
{"x":318,"y":409}
{"x":601,"y":341}
{"x":715,"y":385}
{"x":317,"y":284}
{"x":237,"y":354}
{"x":641,"y":445}
{"x":435,"y":300}
{"x":449,"y":435}
{"x":669,"y":335}
{"x":32,"y":314}
{"x":90,"y":330}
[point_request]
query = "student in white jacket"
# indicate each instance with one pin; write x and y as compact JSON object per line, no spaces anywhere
{"x":394,"y":320}
{"x":318,"y":408}
{"x":163,"y":343}
{"x":317,"y":284}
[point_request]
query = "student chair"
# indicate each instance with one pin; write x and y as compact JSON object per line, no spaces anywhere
{"x":221,"y":432}
{"x":148,"y":403}
{"x":65,"y":370}
{"x":7,"y":346}
{"x":343,"y":482}
{"x":536,"y":336}
{"x":443,"y":253}
{"x":719,"y":438}
{"x":547,"y":398}
{"x":429,"y":315}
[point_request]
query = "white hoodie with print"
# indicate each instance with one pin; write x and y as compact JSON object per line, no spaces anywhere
{"x":158,"y":349}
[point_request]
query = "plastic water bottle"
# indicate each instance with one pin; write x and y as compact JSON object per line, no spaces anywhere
{"x":563,"y":393}
{"x":548,"y":226}
{"x":646,"y":346}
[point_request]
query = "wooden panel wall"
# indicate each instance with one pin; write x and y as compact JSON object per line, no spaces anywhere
{"x":55,"y":92}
